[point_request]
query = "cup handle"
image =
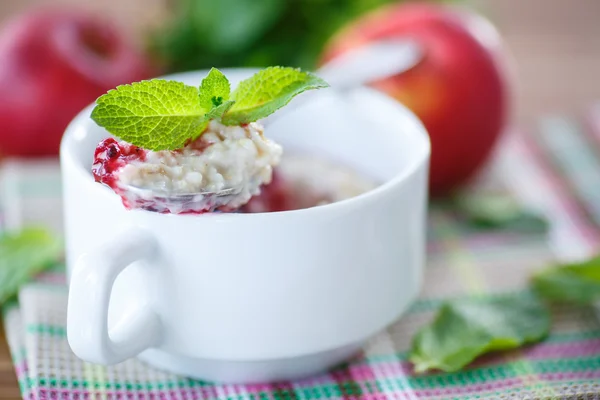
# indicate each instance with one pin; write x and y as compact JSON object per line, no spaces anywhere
{"x":90,"y":289}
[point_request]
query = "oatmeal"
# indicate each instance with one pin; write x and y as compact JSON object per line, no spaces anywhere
{"x":237,"y":159}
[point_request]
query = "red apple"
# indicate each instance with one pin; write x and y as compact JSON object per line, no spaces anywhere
{"x":53,"y":64}
{"x":459,"y":89}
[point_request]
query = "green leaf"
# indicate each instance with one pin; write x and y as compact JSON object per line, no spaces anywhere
{"x":23,"y":255}
{"x":466,"y":329}
{"x":214,"y":90}
{"x":267,"y":91}
{"x":155,"y":114}
{"x":217,"y":112}
{"x":227,"y":26}
{"x":165,"y":115}
{"x":493,"y":211}
{"x":577,"y":283}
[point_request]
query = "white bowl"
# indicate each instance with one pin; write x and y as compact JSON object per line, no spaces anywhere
{"x":252,"y":297}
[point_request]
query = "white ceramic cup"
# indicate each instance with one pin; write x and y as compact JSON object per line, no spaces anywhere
{"x":252,"y":297}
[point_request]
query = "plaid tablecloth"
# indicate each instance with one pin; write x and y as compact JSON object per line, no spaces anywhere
{"x":554,"y":170}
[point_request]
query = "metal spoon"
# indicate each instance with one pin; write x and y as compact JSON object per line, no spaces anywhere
{"x":359,"y":67}
{"x":176,"y":202}
{"x":355,"y":68}
{"x":370,"y":63}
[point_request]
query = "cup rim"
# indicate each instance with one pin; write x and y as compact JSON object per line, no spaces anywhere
{"x":84,"y":115}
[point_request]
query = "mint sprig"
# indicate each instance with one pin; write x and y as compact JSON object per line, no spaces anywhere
{"x":267,"y":91}
{"x":165,"y":115}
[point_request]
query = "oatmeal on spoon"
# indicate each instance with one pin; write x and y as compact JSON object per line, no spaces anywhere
{"x":184,"y":149}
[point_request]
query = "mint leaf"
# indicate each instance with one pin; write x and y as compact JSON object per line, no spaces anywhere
{"x":155,"y":115}
{"x":165,"y":115}
{"x":217,"y":112}
{"x":267,"y":91}
{"x":23,"y":255}
{"x":214,"y":90}
{"x":577,"y":283}
{"x":498,"y":211}
{"x":466,"y":329}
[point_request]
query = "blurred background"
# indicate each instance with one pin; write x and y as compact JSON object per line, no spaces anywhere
{"x":555,"y":42}
{"x":59,"y":55}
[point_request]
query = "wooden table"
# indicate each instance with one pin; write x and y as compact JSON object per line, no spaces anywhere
{"x":8,"y":383}
{"x":554,"y":43}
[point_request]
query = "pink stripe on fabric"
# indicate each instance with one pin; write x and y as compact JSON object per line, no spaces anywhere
{"x":21,"y":369}
{"x":363,"y":371}
{"x":208,"y":392}
{"x":592,"y":121}
{"x":398,"y":372}
{"x":570,"y":376}
{"x":359,"y":375}
{"x":470,"y":389}
{"x":584,"y":348}
{"x":51,"y":393}
{"x":259,"y":388}
{"x":236,"y":390}
{"x":569,"y":205}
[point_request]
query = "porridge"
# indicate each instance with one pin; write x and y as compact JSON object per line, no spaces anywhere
{"x":190,"y":150}
{"x":222,"y":158}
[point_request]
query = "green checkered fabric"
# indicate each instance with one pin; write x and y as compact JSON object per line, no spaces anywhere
{"x":462,"y":262}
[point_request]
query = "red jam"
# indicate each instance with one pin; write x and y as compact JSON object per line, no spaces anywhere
{"x":110,"y":156}
{"x":273,"y":197}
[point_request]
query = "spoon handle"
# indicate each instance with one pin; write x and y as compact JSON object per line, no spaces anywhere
{"x":371,"y":62}
{"x":361,"y":66}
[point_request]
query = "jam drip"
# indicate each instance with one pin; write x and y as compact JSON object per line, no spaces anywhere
{"x":273,"y":197}
{"x":110,"y":156}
